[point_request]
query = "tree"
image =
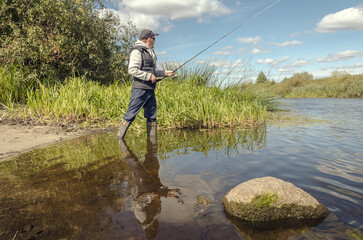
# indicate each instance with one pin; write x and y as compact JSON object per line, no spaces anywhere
{"x":261,"y":78}
{"x":61,"y":38}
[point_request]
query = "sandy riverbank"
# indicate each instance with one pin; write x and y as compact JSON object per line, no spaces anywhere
{"x":19,"y":138}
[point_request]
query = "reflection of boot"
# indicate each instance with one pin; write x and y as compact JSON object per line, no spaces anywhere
{"x":151,"y":128}
{"x":122,"y":130}
{"x":152,"y":143}
{"x":124,"y":148}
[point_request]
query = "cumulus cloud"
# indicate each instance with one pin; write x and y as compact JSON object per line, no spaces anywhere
{"x":158,"y":14}
{"x":347,"y":19}
{"x":288,"y":43}
{"x":272,"y":61}
{"x":249,"y":40}
{"x":348,"y":54}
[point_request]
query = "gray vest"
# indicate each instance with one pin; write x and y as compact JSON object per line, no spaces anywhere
{"x":147,"y":65}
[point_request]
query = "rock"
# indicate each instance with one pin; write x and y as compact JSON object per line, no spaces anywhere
{"x":269,"y":202}
{"x":203,"y":200}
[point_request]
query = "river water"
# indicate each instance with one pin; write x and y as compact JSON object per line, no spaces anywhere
{"x":96,"y":188}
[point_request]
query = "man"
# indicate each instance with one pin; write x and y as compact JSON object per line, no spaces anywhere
{"x":142,"y":67}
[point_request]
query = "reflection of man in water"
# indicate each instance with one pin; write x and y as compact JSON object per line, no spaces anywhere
{"x":147,"y":204}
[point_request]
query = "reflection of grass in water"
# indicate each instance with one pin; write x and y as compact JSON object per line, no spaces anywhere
{"x":70,"y":185}
{"x":354,"y":233}
{"x":100,"y":149}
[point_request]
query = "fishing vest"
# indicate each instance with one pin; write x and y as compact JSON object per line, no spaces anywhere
{"x":147,"y":65}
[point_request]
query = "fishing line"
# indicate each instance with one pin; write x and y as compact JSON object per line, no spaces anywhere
{"x":224,"y":36}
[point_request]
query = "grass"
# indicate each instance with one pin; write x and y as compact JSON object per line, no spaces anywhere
{"x":191,"y":101}
{"x":302,"y":85}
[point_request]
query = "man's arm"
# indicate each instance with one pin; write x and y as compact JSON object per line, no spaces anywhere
{"x":135,"y":65}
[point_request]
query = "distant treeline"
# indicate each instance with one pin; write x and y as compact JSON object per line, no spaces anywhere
{"x":303,"y":85}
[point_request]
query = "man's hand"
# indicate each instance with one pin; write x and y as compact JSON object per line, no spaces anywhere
{"x":169,"y":73}
{"x":153,"y":78}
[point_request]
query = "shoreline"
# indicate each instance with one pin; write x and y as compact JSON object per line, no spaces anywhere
{"x":16,"y":139}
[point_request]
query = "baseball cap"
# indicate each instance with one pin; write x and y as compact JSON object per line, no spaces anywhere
{"x":146,"y":33}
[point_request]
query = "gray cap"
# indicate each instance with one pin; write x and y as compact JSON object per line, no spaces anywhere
{"x":146,"y":33}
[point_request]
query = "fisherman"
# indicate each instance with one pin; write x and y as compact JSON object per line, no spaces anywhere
{"x":142,"y":67}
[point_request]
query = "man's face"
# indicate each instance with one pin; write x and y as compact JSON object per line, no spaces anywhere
{"x":151,"y":41}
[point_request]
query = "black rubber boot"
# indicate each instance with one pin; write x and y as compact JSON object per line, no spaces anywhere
{"x":122,"y":130}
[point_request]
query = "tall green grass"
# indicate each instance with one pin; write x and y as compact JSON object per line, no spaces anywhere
{"x":191,"y":101}
{"x":180,"y":105}
{"x":14,"y":85}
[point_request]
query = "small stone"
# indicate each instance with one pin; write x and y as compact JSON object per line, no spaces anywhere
{"x":203,"y":200}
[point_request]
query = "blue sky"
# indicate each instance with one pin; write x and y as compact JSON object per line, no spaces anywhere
{"x":293,"y":36}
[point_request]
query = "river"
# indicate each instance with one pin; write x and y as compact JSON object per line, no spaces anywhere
{"x":96,"y":188}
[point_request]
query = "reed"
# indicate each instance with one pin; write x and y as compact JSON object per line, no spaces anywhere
{"x":14,"y":84}
{"x":180,"y":105}
{"x":194,"y":100}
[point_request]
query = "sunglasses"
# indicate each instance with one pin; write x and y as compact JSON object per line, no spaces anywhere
{"x":152,"y":38}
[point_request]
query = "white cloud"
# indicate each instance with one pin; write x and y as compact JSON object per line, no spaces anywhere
{"x":265,"y":61}
{"x":288,"y":43}
{"x":259,"y":50}
{"x":299,"y":63}
{"x":161,"y":53}
{"x":273,"y":62}
{"x":347,"y":19}
{"x":221,"y":53}
{"x":340,"y":56}
{"x":249,"y":40}
{"x":285,"y":70}
{"x":256,"y":51}
{"x":219,"y":63}
{"x":158,"y":14}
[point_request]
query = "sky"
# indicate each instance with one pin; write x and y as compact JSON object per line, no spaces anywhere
{"x":277,"y":37}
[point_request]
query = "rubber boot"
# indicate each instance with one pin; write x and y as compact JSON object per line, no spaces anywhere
{"x":151,"y":129}
{"x":122,"y":130}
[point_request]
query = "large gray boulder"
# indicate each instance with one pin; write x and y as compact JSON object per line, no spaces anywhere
{"x":269,"y":202}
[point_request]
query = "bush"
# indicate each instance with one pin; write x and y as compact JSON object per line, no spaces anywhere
{"x":297,"y":80}
{"x":63,"y":38}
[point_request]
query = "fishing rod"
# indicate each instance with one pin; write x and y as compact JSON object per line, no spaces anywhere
{"x":224,"y":36}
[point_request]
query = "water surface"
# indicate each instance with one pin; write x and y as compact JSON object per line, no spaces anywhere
{"x":96,"y":188}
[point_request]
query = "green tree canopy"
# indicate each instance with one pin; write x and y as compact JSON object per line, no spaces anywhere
{"x":261,"y":78}
{"x":64,"y":37}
